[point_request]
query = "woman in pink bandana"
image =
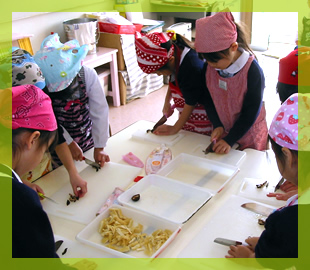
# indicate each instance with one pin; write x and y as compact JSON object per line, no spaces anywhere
{"x":163,"y":54}
{"x":235,"y":84}
{"x":289,"y":134}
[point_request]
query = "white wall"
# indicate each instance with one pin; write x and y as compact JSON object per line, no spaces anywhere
{"x":42,"y":24}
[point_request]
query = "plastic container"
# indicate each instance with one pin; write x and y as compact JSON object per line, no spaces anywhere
{"x":162,"y":197}
{"x":90,"y":235}
{"x":119,"y":29}
{"x":84,"y":30}
{"x":203,"y":173}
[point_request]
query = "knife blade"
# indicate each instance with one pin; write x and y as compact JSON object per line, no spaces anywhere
{"x":58,"y":244}
{"x":161,"y":121}
{"x":227,"y":242}
{"x":279,"y":184}
{"x":92,"y":163}
{"x":209,"y":148}
{"x":258,"y":209}
{"x":45,"y":197}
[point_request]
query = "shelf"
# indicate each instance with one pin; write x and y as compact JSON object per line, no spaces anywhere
{"x":160,"y":6}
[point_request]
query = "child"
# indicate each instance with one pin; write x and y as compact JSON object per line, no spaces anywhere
{"x":26,"y":71}
{"x":77,"y":96}
{"x":280,"y":237}
{"x":171,"y":55}
{"x":34,"y":131}
{"x":235,"y":85}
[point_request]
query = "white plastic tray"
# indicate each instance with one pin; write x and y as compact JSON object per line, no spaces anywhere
{"x":249,"y":190}
{"x":201,"y":172}
{"x":166,"y":198}
{"x":90,"y":235}
{"x":168,"y":140}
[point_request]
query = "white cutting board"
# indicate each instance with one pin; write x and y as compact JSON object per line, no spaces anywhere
{"x":100,"y":185}
{"x":234,"y":157}
{"x":168,"y":140}
{"x":249,"y":190}
{"x":77,"y":249}
{"x":232,"y":222}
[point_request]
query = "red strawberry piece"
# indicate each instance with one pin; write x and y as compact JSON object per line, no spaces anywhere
{"x":280,"y":116}
{"x":293,"y":119}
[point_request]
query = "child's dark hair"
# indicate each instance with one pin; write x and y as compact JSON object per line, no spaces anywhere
{"x":277,"y":149}
{"x":44,"y":139}
{"x":180,"y":42}
{"x":286,"y":90}
{"x":214,"y":57}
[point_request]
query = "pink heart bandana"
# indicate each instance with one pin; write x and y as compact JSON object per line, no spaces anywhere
{"x":290,"y":126}
{"x":150,"y":55}
{"x":32,"y":108}
{"x":215,"y":33}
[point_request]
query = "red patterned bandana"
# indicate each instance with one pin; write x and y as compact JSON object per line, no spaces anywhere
{"x":32,"y":108}
{"x":215,"y":33}
{"x":150,"y":55}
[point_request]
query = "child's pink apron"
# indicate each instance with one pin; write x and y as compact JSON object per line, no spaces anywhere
{"x":228,"y":97}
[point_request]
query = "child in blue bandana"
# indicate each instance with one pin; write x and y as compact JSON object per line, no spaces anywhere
{"x":78,"y":99}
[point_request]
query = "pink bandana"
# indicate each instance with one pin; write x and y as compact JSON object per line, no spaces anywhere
{"x":284,"y":127}
{"x":32,"y":108}
{"x":150,"y":55}
{"x":215,"y":33}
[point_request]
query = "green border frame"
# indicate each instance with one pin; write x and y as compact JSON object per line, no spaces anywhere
{"x":7,"y":262}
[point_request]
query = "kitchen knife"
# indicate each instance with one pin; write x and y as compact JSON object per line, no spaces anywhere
{"x":279,"y":184}
{"x":92,"y":163}
{"x":227,"y":242}
{"x":161,"y":121}
{"x":58,"y":244}
{"x":209,"y":148}
{"x":45,"y":197}
{"x":257,"y":208}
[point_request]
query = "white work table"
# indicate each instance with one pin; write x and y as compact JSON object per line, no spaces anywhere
{"x":253,"y":165}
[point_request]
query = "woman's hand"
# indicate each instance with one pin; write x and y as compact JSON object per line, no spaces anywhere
{"x":217,"y":134}
{"x":100,"y":156}
{"x":76,"y":151}
{"x":240,"y":251}
{"x":79,"y":186}
{"x":165,"y":130}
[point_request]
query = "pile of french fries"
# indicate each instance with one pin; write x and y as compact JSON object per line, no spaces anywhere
{"x":119,"y":232}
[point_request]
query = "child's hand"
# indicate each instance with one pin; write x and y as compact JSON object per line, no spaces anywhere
{"x":165,"y":130}
{"x":76,"y":151}
{"x":85,"y":265}
{"x":79,"y":186}
{"x":167,"y":110}
{"x":252,"y":241}
{"x":283,"y":196}
{"x":221,"y":147}
{"x":240,"y":251}
{"x":35,"y":187}
{"x":100,"y":156}
{"x":288,"y":186}
{"x":217,"y":134}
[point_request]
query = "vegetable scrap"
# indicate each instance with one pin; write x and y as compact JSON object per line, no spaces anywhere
{"x":262,"y":185}
{"x":135,"y":197}
{"x":72,"y":198}
{"x":119,"y":233}
{"x":65,"y":251}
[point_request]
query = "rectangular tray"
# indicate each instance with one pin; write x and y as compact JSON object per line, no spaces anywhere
{"x":166,"y":198}
{"x":200,"y":172}
{"x":90,"y":235}
{"x":99,"y":187}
